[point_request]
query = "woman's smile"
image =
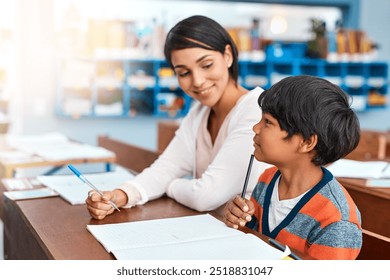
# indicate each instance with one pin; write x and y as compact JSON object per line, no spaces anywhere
{"x":203,"y":91}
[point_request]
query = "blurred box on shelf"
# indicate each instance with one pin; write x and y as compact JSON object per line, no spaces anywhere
{"x":354,"y":81}
{"x":255,"y":80}
{"x":285,"y":51}
{"x":108,"y":82}
{"x":359,"y":102}
{"x":113,"y":109}
{"x":376,"y":99}
{"x":170,"y":103}
{"x":376,"y":82}
{"x":169,"y":82}
{"x":167,"y":78}
{"x":109,"y":102}
{"x":276,"y":77}
{"x":141,"y":80}
{"x":77,"y":107}
{"x":334,"y":80}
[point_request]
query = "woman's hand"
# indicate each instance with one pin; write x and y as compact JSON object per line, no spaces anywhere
{"x":99,"y":206}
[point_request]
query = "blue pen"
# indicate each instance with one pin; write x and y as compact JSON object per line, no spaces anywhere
{"x":85,"y":180}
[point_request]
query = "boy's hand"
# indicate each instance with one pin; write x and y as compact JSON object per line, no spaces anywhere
{"x":238,"y":212}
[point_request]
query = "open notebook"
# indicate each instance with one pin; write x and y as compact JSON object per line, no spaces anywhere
{"x":70,"y":188}
{"x":199,"y":237}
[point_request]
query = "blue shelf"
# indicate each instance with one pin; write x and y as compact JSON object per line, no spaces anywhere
{"x":136,"y":84}
{"x":356,"y":78}
{"x":132,"y":82}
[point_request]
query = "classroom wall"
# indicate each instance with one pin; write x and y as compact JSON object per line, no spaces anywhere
{"x":375,"y":20}
{"x":33,"y":107}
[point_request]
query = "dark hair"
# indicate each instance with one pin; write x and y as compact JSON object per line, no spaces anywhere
{"x":201,"y":32}
{"x":307,"y":106}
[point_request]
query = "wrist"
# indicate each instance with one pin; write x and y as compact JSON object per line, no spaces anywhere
{"x":120,"y":197}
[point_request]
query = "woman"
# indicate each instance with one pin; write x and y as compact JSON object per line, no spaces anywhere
{"x":205,"y":164}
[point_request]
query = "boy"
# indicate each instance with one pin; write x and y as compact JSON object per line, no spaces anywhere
{"x":306,"y":123}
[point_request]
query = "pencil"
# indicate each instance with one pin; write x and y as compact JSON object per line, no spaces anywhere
{"x":282,"y":248}
{"x":248,"y":173}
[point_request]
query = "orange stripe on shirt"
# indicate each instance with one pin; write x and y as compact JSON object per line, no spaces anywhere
{"x":320,"y":207}
{"x":316,"y":251}
{"x":323,"y":252}
{"x":293,"y":241}
{"x":267,"y":175}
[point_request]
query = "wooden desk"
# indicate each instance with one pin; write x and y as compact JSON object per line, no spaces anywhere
{"x":373,"y":203}
{"x":53,"y":229}
{"x":8,"y":169}
{"x":50,"y":228}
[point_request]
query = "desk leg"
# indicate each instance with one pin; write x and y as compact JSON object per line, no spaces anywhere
{"x":108,"y":166}
{"x":9,"y":172}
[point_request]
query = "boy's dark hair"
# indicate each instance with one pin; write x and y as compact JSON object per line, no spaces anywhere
{"x":307,"y":106}
{"x":201,"y":32}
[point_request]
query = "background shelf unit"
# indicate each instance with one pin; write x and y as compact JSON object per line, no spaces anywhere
{"x":127,"y":87}
{"x":119,"y":88}
{"x":359,"y":79}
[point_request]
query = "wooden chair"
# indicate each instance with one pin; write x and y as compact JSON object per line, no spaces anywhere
{"x":372,"y":146}
{"x":387,"y":144}
{"x":375,"y":247}
{"x":129,"y":156}
{"x":165,"y":131}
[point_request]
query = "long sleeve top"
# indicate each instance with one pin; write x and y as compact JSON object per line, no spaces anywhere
{"x":174,"y":172}
{"x":325,"y":223}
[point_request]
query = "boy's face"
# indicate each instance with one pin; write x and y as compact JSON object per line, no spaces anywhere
{"x":270,"y":143}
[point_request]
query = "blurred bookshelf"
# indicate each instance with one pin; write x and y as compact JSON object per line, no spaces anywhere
{"x":115,"y":67}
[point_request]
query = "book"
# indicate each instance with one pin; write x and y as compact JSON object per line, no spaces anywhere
{"x":14,"y":184}
{"x":70,"y":188}
{"x":198,"y":237}
{"x":360,"y":169}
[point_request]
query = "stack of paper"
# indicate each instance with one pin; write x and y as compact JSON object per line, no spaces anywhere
{"x":360,"y":169}
{"x":199,"y":237}
{"x":55,"y":146}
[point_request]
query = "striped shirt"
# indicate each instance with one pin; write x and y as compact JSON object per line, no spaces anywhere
{"x":325,"y":223}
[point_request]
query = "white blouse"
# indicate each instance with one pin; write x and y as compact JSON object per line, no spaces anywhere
{"x":198,"y":175}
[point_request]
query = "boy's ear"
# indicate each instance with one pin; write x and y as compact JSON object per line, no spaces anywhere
{"x":308,"y":145}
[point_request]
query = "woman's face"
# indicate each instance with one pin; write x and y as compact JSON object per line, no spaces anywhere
{"x":202,"y":74}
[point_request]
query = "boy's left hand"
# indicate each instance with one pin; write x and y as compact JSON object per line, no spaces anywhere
{"x":238,"y":212}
